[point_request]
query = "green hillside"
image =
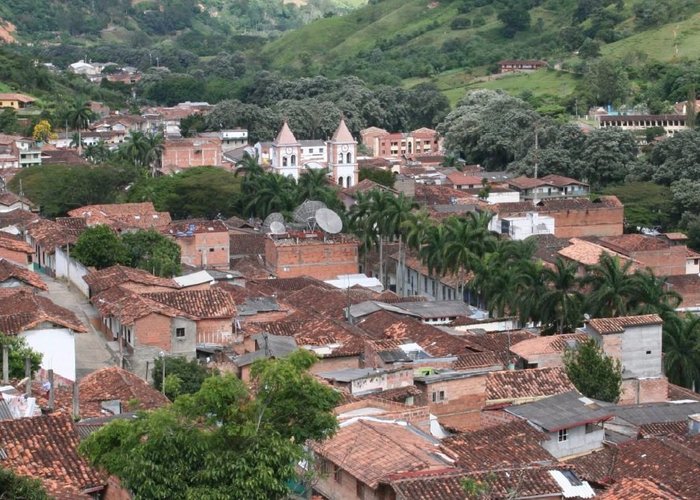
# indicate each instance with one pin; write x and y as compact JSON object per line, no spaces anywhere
{"x":453,"y":42}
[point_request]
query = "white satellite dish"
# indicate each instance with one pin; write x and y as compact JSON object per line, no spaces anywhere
{"x":329,"y":221}
{"x":273,"y":217}
{"x":305,"y":213}
{"x":276,"y":227}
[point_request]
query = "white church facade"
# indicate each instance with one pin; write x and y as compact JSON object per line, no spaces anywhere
{"x":289,"y":157}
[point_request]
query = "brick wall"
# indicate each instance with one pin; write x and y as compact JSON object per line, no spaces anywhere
{"x":666,"y":262}
{"x":20,"y":258}
{"x":646,"y":390}
{"x":339,"y":363}
{"x":461,"y":395}
{"x":318,"y":259}
{"x":205,"y":250}
{"x":214,"y":330}
{"x":154,"y":330}
{"x":184,"y":153}
{"x":602,"y":221}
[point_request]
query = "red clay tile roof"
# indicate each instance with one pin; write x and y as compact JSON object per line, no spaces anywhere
{"x":528,"y":482}
{"x":440,"y":195}
{"x":679,"y":428}
{"x":17,"y":217}
{"x":109,"y":277}
{"x":637,"y":489}
{"x":676,"y":236}
{"x":9,"y":198}
{"x":673,"y":462}
{"x":10,"y":270}
{"x":50,"y":234}
{"x":511,"y":385}
{"x":250,"y":266}
{"x":128,"y":306}
{"x":548,"y":344}
{"x":588,"y":253}
{"x":15,"y":244}
{"x":677,"y":393}
{"x":123,"y":215}
{"x":326,"y":301}
{"x":45,"y":448}
{"x":317,"y":332}
{"x":10,"y":96}
{"x":627,"y":243}
{"x":386,"y":325}
{"x":21,"y":309}
{"x":203,"y":304}
{"x":474,"y":360}
{"x":246,"y":244}
{"x":115,"y":383}
{"x":606,"y":326}
{"x":371,"y":450}
{"x":515,"y":444}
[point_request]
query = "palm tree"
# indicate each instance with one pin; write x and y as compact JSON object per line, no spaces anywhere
{"x":153,"y":151}
{"x":79,"y":117}
{"x":98,"y":153}
{"x":366,"y":217}
{"x":313,"y":185}
{"x":269,"y":193}
{"x":654,"y":297}
{"x":432,"y":253}
{"x":469,"y":241}
{"x":416,"y":227}
{"x":133,"y":148}
{"x":612,"y":287}
{"x":560,"y":304}
{"x":75,"y":141}
{"x":249,"y":166}
{"x":397,"y":212}
{"x":681,"y":346}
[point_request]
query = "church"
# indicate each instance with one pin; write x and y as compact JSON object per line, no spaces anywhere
{"x":289,"y":157}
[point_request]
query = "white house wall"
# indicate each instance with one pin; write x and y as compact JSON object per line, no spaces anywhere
{"x":57,"y":346}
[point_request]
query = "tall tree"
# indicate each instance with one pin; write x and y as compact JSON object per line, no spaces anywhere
{"x":99,"y":247}
{"x":561,"y":302}
{"x":681,"y":346}
{"x":225,"y":441}
{"x":593,"y":373}
{"x":18,"y":352}
{"x":612,"y":287}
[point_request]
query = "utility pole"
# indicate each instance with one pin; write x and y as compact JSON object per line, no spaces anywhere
{"x":537,"y":150}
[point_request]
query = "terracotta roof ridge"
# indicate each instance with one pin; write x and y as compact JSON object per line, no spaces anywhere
{"x":389,"y":438}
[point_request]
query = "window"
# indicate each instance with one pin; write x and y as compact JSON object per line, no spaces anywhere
{"x":592,"y":428}
{"x":179,"y":333}
{"x":438,"y":396}
{"x":337,"y":474}
{"x":359,"y":489}
{"x":648,"y":352}
{"x":326,"y":468}
{"x":563,"y":435}
{"x":211,"y":249}
{"x":311,"y":151}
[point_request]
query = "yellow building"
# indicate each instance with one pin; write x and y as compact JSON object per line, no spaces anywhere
{"x":15,"y":101}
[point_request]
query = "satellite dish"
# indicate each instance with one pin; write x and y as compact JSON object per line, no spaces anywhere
{"x":273,"y":217}
{"x":306,"y":212}
{"x":277,"y":227}
{"x":329,"y":221}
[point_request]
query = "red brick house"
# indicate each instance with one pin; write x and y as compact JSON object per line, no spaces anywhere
{"x":203,"y":243}
{"x":16,"y":250}
{"x":181,"y":154}
{"x":320,"y":257}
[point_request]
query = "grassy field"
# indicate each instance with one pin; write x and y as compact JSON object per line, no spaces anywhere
{"x":455,"y":83}
{"x":666,"y":43}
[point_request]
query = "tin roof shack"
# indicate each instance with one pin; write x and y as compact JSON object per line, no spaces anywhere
{"x":571,"y":421}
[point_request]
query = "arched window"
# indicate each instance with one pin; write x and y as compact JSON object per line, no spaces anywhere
{"x":349,"y":183}
{"x":340,"y":181}
{"x":349,"y":158}
{"x":340,"y":158}
{"x":294,"y":160}
{"x":284,"y":161}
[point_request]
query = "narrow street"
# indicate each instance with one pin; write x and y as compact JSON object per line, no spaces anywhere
{"x":91,"y":352}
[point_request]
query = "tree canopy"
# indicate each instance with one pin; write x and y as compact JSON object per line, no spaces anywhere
{"x":593,"y":373}
{"x":18,"y":352}
{"x":224,"y":441}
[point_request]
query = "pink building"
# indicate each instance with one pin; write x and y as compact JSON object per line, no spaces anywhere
{"x":423,"y":141}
